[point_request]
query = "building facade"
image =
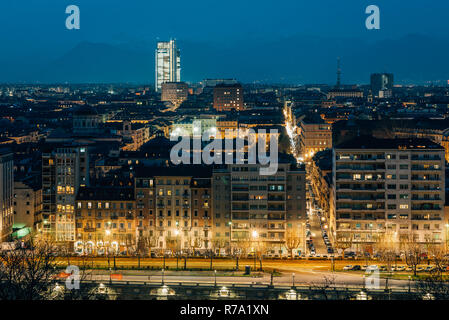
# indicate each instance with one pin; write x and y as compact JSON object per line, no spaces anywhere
{"x":6,"y":194}
{"x":314,"y":136}
{"x":257,"y":213}
{"x":174,"y":92}
{"x":390,"y":188}
{"x":64,"y":169}
{"x":228,"y":97}
{"x":168,"y":63}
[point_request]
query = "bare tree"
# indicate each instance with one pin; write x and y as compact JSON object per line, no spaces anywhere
{"x":292,"y":240}
{"x":413,"y":253}
{"x":387,"y":249}
{"x":325,"y":286}
{"x":27,"y":274}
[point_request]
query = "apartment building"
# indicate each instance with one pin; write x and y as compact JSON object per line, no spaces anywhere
{"x":6,"y":192}
{"x":27,"y":205}
{"x":105,"y":220}
{"x":228,"y":97}
{"x":388,"y":188}
{"x":175,"y":207}
{"x":65,"y":167}
{"x":254,"y":212}
{"x":314,"y":135}
{"x":175,"y":92}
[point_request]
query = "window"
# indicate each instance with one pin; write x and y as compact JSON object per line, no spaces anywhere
{"x":403,"y":206}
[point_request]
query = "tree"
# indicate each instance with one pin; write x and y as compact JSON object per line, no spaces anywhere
{"x":292,"y":240}
{"x":413,"y":253}
{"x":387,"y":249}
{"x":27,"y":274}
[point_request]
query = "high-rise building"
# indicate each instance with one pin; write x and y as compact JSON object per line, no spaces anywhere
{"x":381,"y":84}
{"x":64,"y":169}
{"x":389,"y":189}
{"x":168,"y":63}
{"x":6,"y":194}
{"x":228,"y":97}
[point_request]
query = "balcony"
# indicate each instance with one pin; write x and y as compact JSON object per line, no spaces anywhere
{"x":427,"y":207}
{"x":160,"y":205}
{"x":206,"y":196}
{"x":433,"y":158}
{"x":89,"y":229}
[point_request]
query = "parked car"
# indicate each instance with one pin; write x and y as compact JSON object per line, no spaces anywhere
{"x":356,"y":268}
{"x":420,"y":269}
{"x":383,"y":268}
{"x":348,"y":267}
{"x":400,"y":268}
{"x":430,"y":268}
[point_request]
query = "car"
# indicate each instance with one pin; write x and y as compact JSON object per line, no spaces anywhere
{"x":400,"y":268}
{"x":420,"y":269}
{"x":357,"y":267}
{"x":430,"y":269}
{"x":383,"y":268}
{"x":348,"y":267}
{"x":364,"y":268}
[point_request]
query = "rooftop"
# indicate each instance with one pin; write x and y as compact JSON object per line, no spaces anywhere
{"x":369,"y":142}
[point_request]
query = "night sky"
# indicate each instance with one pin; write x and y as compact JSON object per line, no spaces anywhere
{"x":33,"y":32}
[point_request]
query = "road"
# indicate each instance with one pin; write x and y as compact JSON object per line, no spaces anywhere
{"x":304,"y":278}
{"x":307,"y":272}
{"x":317,"y":236}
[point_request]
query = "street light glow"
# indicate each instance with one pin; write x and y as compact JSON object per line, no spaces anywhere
{"x":255,"y":234}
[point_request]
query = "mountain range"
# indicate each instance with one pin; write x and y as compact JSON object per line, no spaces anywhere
{"x":296,"y":60}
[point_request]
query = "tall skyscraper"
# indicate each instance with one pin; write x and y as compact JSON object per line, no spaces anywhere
{"x":168,"y":63}
{"x":381,"y":82}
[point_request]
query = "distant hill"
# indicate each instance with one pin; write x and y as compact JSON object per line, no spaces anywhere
{"x":298,"y":59}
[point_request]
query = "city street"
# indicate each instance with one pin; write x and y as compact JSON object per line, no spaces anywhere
{"x":303,"y":278}
{"x":306,"y":272}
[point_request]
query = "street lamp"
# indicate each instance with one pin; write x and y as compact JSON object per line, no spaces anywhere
{"x":293,"y":279}
{"x":255,"y":235}
{"x":163,"y":274}
{"x":447,"y":235}
{"x":215,"y":277}
{"x":230,"y":236}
